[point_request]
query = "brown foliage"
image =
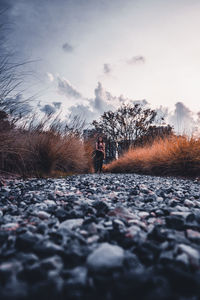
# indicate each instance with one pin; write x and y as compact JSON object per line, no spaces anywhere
{"x":38,"y":152}
{"x":170,"y":156}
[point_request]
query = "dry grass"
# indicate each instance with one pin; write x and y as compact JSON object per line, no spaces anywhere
{"x":179,"y":156}
{"x":43,"y":153}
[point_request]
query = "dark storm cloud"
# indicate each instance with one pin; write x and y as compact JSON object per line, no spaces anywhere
{"x":67,"y":47}
{"x":136,"y":59}
{"x":107,"y":68}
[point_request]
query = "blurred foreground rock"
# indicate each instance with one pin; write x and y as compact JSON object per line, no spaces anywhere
{"x":109,"y":236}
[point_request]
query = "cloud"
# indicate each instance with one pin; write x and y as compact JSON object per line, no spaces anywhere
{"x":66,"y":88}
{"x":93,"y":108}
{"x":67,"y":48}
{"x":84,"y":111}
{"x":102,"y":101}
{"x":183,"y":119}
{"x":107,"y":68}
{"x":50,"y":76}
{"x":139,"y":59}
{"x":142,"y":102}
{"x":17,"y":106}
{"x":48,"y":109}
{"x":57,"y":104}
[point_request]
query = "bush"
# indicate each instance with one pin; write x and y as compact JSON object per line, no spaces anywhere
{"x":38,"y":152}
{"x":172,"y":156}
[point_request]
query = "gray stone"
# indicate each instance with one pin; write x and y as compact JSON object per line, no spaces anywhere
{"x":10,"y":226}
{"x":192,"y":253}
{"x":193,"y":235}
{"x":183,"y":258}
{"x":106,"y":256}
{"x":143,"y":214}
{"x":78,"y":276}
{"x":92,"y":239}
{"x":43,"y":215}
{"x":50,"y":202}
{"x":71,"y":224}
{"x":189,"y":203}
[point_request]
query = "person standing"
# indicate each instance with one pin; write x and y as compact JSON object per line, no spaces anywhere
{"x":100,"y":154}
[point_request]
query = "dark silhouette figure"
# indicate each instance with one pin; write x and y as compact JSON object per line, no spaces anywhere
{"x":99,"y":154}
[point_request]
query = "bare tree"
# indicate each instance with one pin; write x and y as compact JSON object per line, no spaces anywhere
{"x":126,"y":123}
{"x":127,"y":126}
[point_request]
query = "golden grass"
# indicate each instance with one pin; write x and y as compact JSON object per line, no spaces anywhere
{"x":43,"y":153}
{"x":179,"y":156}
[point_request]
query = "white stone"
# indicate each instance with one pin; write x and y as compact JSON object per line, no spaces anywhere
{"x":159,"y":199}
{"x":180,"y":213}
{"x":193,"y":235}
{"x":183,"y":258}
{"x":106,"y":256}
{"x":50,"y":202}
{"x":92,"y":239}
{"x":10,"y":226}
{"x":71,"y":224}
{"x":143,"y":214}
{"x":43,"y":215}
{"x":189,"y":203}
{"x":192,"y":253}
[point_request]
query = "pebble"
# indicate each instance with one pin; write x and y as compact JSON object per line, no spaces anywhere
{"x":192,"y":254}
{"x":43,"y":215}
{"x":183,"y":258}
{"x":189,"y":203}
{"x":193,"y":235}
{"x":10,"y":226}
{"x":143,"y":214}
{"x":106,"y":256}
{"x":105,"y":237}
{"x":71,"y":224}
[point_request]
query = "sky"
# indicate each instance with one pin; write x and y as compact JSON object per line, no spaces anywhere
{"x":91,"y":55}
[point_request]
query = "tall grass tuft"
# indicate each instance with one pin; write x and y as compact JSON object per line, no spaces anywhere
{"x":40,"y":151}
{"x":176,"y":156}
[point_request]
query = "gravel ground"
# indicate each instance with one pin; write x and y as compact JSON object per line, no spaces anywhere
{"x":109,"y":236}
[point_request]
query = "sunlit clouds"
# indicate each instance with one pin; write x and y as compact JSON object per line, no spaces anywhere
{"x":136,"y":50}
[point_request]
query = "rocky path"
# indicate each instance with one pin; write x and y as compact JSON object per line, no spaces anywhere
{"x":100,"y":237}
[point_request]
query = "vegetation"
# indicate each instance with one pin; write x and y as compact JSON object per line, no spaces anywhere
{"x":47,"y":148}
{"x":177,"y":156}
{"x":34,"y":148}
{"x":128,"y":125}
{"x":37,"y":151}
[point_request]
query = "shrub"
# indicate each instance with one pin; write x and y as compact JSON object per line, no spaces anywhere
{"x":171,"y":156}
{"x":38,"y":152}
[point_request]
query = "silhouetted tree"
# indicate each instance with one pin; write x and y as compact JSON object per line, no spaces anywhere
{"x":127,"y":125}
{"x":154,"y":132}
